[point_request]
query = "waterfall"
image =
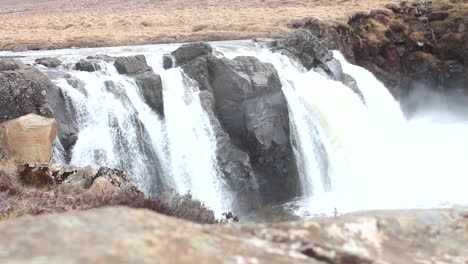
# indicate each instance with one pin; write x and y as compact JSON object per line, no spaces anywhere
{"x":192,"y":142}
{"x":351,"y":155}
{"x":119,"y":130}
{"x":356,"y":156}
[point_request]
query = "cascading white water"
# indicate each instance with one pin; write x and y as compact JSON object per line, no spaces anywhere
{"x":117,"y":129}
{"x":191,"y":142}
{"x":379,"y":160}
{"x":114,"y":124}
{"x":351,"y":155}
{"x":375,"y":158}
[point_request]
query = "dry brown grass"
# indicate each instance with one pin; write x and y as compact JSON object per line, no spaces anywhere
{"x":88,"y":23}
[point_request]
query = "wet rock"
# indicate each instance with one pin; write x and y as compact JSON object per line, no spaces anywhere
{"x":131,"y":64}
{"x":198,"y":70}
{"x":49,"y":62}
{"x":88,"y":65}
{"x":103,"y":57}
{"x":29,"y":138}
{"x":66,"y":118}
{"x":306,"y":47}
{"x":234,"y":162}
{"x":350,"y":82}
{"x":371,"y":237}
{"x":190,"y":51}
{"x":245,"y":95}
{"x":167,"y":62}
{"x":253,"y":110}
{"x":151,"y":89}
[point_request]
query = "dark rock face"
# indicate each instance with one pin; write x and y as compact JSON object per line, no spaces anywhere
{"x":22,"y":91}
{"x":253,"y":133}
{"x":150,"y":83}
{"x":190,"y":51}
{"x":49,"y":62}
{"x":65,"y":115}
{"x":88,"y":65}
{"x":307,"y":48}
{"x":151,"y":88}
{"x":131,"y":65}
{"x":234,"y":162}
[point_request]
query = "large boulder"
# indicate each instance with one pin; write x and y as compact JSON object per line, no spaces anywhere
{"x":247,"y":99}
{"x":124,"y":235}
{"x":23,"y":90}
{"x":131,"y":64}
{"x":188,"y":52}
{"x":252,"y":108}
{"x":29,"y":138}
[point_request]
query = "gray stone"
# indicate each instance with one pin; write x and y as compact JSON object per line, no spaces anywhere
{"x":49,"y":62}
{"x":188,"y":52}
{"x":124,"y":235}
{"x":23,"y":91}
{"x":88,"y":65}
{"x":131,"y":64}
{"x":151,"y":89}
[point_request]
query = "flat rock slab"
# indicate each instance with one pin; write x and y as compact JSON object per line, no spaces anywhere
{"x":123,"y":235}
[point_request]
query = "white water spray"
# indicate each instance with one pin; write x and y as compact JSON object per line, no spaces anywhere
{"x":192,"y":142}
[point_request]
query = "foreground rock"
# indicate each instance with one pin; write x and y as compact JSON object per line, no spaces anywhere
{"x":122,"y":235}
{"x":29,"y":138}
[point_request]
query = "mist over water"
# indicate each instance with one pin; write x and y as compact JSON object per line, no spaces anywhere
{"x":351,"y":155}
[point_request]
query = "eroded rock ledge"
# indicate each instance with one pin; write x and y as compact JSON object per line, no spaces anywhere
{"x":407,"y":45}
{"x":122,"y":235}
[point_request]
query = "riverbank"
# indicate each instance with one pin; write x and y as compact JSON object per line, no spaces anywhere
{"x":54,"y":24}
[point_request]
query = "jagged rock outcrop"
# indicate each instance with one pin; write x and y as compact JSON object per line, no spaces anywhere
{"x":384,"y":237}
{"x":410,"y":44}
{"x":248,"y":101}
{"x":313,"y":53}
{"x":29,"y":138}
{"x":49,"y":62}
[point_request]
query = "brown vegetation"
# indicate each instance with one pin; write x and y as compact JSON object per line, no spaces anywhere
{"x":17,"y":200}
{"x":67,"y":23}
